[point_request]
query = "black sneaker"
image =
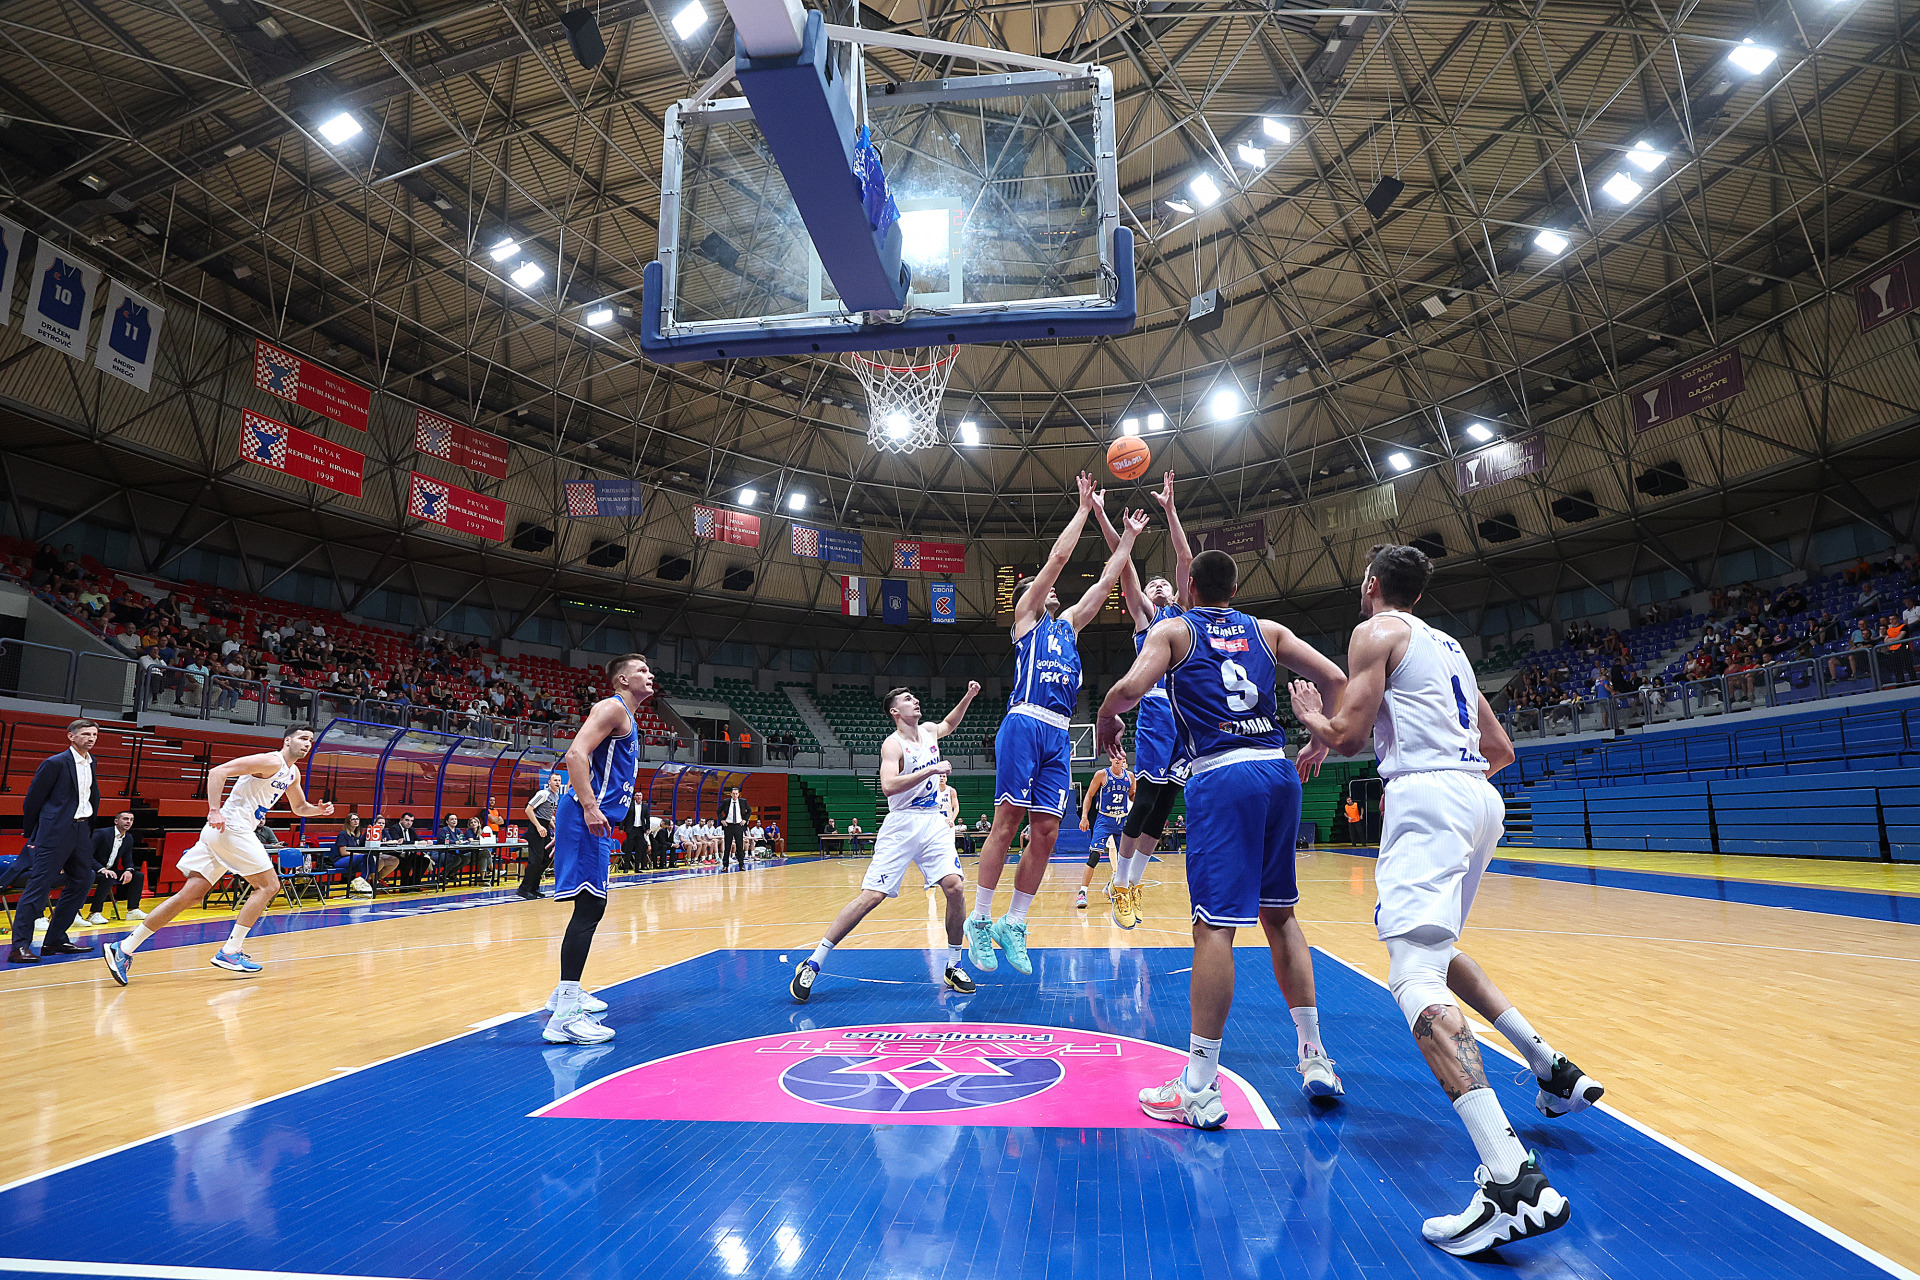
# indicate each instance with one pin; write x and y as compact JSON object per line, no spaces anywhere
{"x":801,"y":988}
{"x":1501,"y":1212}
{"x":957,"y":980}
{"x":1568,"y":1090}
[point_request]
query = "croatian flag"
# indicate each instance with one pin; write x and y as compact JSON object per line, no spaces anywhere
{"x":853,"y":597}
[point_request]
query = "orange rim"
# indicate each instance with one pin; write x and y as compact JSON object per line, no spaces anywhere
{"x":908,"y":368}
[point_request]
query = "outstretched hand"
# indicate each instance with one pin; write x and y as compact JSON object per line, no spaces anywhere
{"x":1164,"y":494}
{"x":1136,"y":521}
{"x":1305,"y":696}
{"x":1085,"y":482}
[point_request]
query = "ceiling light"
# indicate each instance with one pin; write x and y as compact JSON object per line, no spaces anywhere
{"x":528,"y":274}
{"x":504,"y":250}
{"x":749,"y":496}
{"x":600,"y":315}
{"x":1225,"y":403}
{"x":690,"y":19}
{"x":1180,"y":206}
{"x":1752,"y":58}
{"x":237,"y":149}
{"x":1399,"y":461}
{"x":341,"y":129}
{"x":796,"y":501}
{"x":1645,"y":157}
{"x":1251,"y":156}
{"x":969,"y":433}
{"x":1553,"y":242}
{"x":1129,"y":426}
{"x":1204,"y":188}
{"x":1156,"y":422}
{"x":1621,"y":188}
{"x":1278,"y":130}
{"x":271,"y":28}
{"x":1478,"y":431}
{"x":898,"y":426}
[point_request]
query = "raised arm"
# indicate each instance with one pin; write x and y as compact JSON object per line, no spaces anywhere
{"x":1027,"y":610}
{"x":1177,"y":539}
{"x":1087,"y":608}
{"x":1347,"y":727}
{"x":959,"y":712}
{"x":1131,"y":594}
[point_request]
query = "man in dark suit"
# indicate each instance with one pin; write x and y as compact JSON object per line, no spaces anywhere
{"x":734,"y":815}
{"x":61,"y":798}
{"x":122,"y":869}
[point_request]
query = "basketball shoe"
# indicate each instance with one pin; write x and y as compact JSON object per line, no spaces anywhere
{"x":576,"y":1026}
{"x":1125,"y":913}
{"x":1500,"y":1212}
{"x":118,"y":962}
{"x":235,"y":962}
{"x":980,"y":944}
{"x":1177,"y":1104}
{"x":1567,"y":1090}
{"x":1012,"y":937}
{"x":957,"y":980}
{"x":1317,"y":1079}
{"x":801,"y":988}
{"x":1080,"y":902}
{"x":591,"y":1003}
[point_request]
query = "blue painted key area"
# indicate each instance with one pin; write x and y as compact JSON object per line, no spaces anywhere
{"x":432,"y":1165}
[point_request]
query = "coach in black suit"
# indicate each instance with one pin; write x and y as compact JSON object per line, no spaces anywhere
{"x":61,"y":798}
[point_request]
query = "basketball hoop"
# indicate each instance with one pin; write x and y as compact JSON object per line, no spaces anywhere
{"x":904,"y":389}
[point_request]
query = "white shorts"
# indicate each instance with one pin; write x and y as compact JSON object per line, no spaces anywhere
{"x":1438,"y":834}
{"x":219,"y":852}
{"x":922,"y":839}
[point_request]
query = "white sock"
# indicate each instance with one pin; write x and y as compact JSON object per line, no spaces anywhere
{"x":953,"y":956}
{"x":1493,"y":1137}
{"x":570,"y":994}
{"x":1306,"y":1029}
{"x":982,"y":902}
{"x":132,"y":942}
{"x":1018,"y":911}
{"x":236,"y":938}
{"x":1203,"y":1062}
{"x":1537,"y":1052}
{"x":819,"y":956}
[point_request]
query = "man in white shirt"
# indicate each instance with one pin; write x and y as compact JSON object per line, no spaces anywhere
{"x":734,"y":812}
{"x":756,"y":835}
{"x":120,"y":870}
{"x":61,"y":798}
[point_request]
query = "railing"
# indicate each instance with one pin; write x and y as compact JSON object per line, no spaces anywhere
{"x":1776,"y":684}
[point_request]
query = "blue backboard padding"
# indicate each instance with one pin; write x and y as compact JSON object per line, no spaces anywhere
{"x":752,"y":339}
{"x":809,"y":126}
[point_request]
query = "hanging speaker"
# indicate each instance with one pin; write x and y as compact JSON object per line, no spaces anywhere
{"x":531,"y":537}
{"x":583,"y":37}
{"x":605,"y":555}
{"x":1574,"y":508}
{"x":1204,"y":312}
{"x":673,"y":568}
{"x":1432,"y":545}
{"x":739,"y":578}
{"x":1381,"y":198}
{"x":1500,"y":528}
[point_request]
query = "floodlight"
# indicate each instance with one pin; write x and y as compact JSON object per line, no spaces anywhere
{"x":1204,"y":188}
{"x":600,"y":315}
{"x":1553,"y":242}
{"x":1645,"y":157}
{"x":969,"y":433}
{"x":528,"y":274}
{"x":689,"y":19}
{"x":1129,"y":426}
{"x":1224,"y":403}
{"x":749,"y":497}
{"x":1399,"y":461}
{"x":796,"y":501}
{"x":1179,"y":206}
{"x":1156,"y":422}
{"x":898,"y":426}
{"x":504,"y":250}
{"x":1621,"y":188}
{"x":1752,"y":58}
{"x":341,"y":129}
{"x":1278,"y":130}
{"x":1478,"y":431}
{"x":1251,"y":156}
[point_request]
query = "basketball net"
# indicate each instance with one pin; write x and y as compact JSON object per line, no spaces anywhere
{"x":904,"y":389}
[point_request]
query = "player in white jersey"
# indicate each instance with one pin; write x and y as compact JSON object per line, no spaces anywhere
{"x":1438,"y":742}
{"x":228,"y":843}
{"x":918,"y":831}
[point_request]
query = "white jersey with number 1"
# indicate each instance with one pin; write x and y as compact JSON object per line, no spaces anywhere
{"x":1430,"y":716}
{"x":253,"y":796}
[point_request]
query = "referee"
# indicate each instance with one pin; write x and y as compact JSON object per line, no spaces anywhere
{"x":539,"y":813}
{"x":733,"y":824}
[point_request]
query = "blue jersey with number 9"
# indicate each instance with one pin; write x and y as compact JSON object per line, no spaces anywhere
{"x":1223,"y":692}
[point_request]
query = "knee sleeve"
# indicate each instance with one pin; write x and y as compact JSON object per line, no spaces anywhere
{"x":1093,"y":855}
{"x":1417,"y":970}
{"x":1152,"y":802}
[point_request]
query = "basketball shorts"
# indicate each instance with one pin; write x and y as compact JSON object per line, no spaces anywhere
{"x":1437,"y":836}
{"x":924,"y":840}
{"x":218,"y":852}
{"x":1106,"y":830}
{"x":581,"y":859}
{"x":1154,"y":739}
{"x":1033,"y":765}
{"x":1242,"y":816}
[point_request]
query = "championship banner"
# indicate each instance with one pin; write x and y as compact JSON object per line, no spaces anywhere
{"x":1498,"y":463}
{"x":893,"y":602}
{"x":130,"y":341}
{"x":284,"y":374}
{"x":1234,"y":539}
{"x":831,"y":545}
{"x":853,"y":597}
{"x":603,"y":499}
{"x":461,"y":445}
{"x":1889,"y":293}
{"x":461,"y":510}
{"x":1375,"y":505}
{"x":60,"y":300}
{"x":1688,"y":390}
{"x":742,"y":528}
{"x":12,"y":236}
{"x":946,"y":602}
{"x":930,"y":557}
{"x":300,"y":454}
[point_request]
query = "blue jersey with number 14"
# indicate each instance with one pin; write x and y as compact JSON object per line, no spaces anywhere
{"x":1223,"y":692}
{"x":1047,"y":667}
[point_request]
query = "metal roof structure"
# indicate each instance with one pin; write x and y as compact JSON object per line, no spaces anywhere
{"x":180,"y":148}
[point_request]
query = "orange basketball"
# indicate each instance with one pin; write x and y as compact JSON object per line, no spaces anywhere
{"x":1128,"y":458}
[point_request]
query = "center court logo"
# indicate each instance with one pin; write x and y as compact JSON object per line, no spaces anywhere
{"x":906,"y":1073}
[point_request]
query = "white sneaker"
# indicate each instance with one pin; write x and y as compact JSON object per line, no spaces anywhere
{"x":96,"y":918}
{"x":577,"y":1027}
{"x":1081,"y":901}
{"x":136,"y":915}
{"x":360,"y":885}
{"x":1174,"y":1102}
{"x":1500,"y":1213}
{"x":589,"y":1003}
{"x":1317,"y":1079}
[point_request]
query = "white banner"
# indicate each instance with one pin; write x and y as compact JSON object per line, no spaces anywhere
{"x":60,"y":299}
{"x":130,"y":336}
{"x":12,"y":236}
{"x":1375,"y":505}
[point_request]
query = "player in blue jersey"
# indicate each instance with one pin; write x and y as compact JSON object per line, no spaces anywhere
{"x":1222,"y":669}
{"x":601,"y":765}
{"x":1033,"y":754}
{"x":1155,"y":744}
{"x":1108,"y":795}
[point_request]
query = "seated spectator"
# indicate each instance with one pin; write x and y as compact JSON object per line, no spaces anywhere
{"x":351,"y":857}
{"x":123,"y":868}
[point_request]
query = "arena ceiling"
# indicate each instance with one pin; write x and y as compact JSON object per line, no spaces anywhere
{"x":177,"y":144}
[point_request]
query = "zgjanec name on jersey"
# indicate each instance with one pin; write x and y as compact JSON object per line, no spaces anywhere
{"x":1227,"y":638}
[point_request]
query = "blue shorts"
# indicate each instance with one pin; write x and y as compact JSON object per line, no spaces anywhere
{"x":1033,"y":765}
{"x":581,"y":860}
{"x":1154,"y":740}
{"x":1105,"y":827}
{"x":1241,"y":822}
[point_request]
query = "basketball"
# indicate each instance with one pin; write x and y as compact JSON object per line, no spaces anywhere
{"x":1128,"y":458}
